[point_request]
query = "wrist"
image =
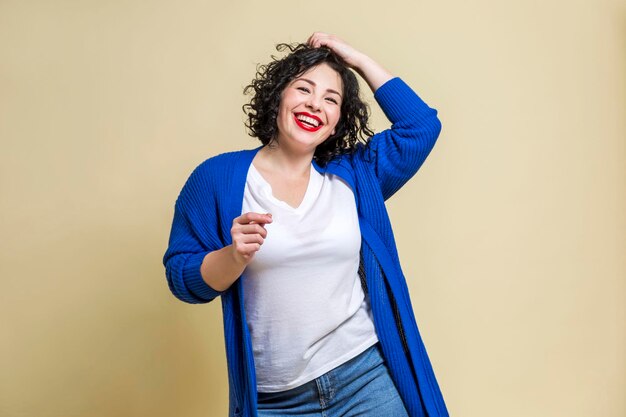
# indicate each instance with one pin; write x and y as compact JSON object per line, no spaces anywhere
{"x":236,"y":258}
{"x":360,"y":61}
{"x":372,"y":72}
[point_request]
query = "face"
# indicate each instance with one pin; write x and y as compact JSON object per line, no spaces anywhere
{"x":310,"y":108}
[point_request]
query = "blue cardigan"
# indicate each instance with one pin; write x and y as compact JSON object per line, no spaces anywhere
{"x":212,"y":197}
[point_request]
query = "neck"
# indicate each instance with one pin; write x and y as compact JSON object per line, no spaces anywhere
{"x":286,"y":162}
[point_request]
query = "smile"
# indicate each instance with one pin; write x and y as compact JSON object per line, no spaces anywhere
{"x":308,"y":122}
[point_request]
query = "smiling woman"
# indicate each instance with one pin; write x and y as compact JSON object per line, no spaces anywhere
{"x":317,"y":315}
{"x":309,"y":109}
{"x":287,"y":74}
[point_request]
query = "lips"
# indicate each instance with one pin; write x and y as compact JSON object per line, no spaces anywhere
{"x":306,"y":126}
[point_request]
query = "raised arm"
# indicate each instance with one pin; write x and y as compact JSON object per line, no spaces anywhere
{"x":397,"y":153}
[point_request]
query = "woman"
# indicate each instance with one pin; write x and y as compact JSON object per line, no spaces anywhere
{"x":295,"y":238}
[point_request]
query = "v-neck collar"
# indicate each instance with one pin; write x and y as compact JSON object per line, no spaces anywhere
{"x":339,"y":166}
{"x":336,"y":166}
{"x":311,"y":191}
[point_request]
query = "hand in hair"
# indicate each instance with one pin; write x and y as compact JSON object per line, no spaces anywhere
{"x":350,"y":55}
{"x":372,"y":72}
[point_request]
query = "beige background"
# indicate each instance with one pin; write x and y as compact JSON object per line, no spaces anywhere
{"x":512,"y":235}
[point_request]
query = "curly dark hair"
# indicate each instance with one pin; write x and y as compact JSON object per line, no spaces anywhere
{"x":271,"y":80}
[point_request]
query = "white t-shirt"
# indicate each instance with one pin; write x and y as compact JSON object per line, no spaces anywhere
{"x":305,"y":307}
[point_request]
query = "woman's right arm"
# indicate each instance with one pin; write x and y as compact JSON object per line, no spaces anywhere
{"x":184,"y":257}
{"x":198,"y":265}
{"x":196,"y":275}
{"x":221,"y":268}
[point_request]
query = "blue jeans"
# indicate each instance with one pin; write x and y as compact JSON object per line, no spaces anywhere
{"x":360,"y":387}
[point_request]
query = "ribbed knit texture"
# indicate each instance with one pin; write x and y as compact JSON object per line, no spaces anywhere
{"x":212,"y":197}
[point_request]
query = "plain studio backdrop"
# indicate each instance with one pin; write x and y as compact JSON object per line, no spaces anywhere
{"x":512,"y":235}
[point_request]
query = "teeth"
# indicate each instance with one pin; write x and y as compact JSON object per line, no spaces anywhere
{"x":309,"y":120}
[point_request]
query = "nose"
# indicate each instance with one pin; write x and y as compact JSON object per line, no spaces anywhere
{"x":313,"y":102}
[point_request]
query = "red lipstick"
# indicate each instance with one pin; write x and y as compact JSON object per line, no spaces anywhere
{"x":305,"y":126}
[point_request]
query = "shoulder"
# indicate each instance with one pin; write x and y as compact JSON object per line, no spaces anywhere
{"x":210,"y":175}
{"x":218,"y":165}
{"x":217,"y":162}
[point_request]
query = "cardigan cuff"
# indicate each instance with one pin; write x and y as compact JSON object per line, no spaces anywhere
{"x":193,"y":278}
{"x":398,"y":100}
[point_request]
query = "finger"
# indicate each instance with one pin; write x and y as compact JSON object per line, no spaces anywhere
{"x":314,"y":39}
{"x":247,"y":249}
{"x":325,"y":38}
{"x":253,"y":217}
{"x":328,"y":41}
{"x":253,"y":238}
{"x":249,"y":229}
{"x":240,"y":241}
{"x":318,"y":40}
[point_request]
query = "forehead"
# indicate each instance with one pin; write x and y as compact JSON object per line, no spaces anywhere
{"x":323,"y":75}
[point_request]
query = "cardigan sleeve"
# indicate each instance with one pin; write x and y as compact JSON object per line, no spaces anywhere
{"x":186,"y":249}
{"x":397,"y":153}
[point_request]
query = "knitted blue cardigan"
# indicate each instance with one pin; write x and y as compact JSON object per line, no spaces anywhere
{"x":212,"y":197}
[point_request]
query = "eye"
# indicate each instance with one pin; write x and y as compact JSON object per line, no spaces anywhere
{"x":304,"y":89}
{"x":332,"y":100}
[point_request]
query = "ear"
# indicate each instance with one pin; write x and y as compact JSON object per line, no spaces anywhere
{"x":332,"y":133}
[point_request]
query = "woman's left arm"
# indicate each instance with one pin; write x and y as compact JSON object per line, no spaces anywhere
{"x":395,"y":154}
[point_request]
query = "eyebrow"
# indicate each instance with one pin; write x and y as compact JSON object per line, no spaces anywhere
{"x":330,"y":90}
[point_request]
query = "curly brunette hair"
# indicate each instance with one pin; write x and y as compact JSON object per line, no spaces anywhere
{"x":271,"y":80}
